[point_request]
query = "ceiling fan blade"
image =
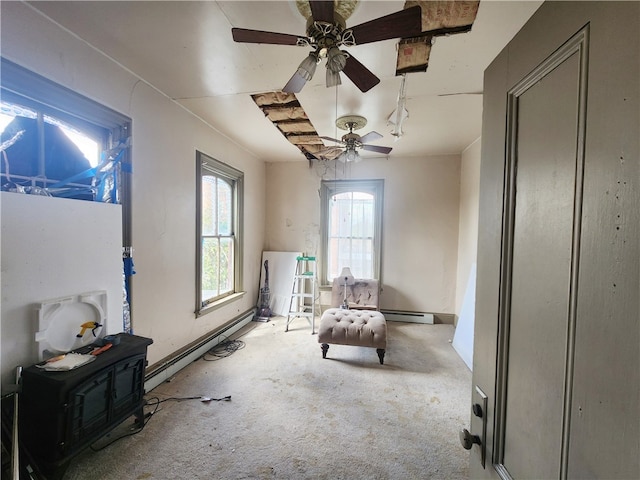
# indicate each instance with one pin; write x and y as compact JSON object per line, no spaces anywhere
{"x":370,"y":137}
{"x":375,"y":148}
{"x":295,"y":84}
{"x":322,"y":11}
{"x":405,"y":23}
{"x":258,"y":36}
{"x":360,"y":75}
{"x":332,"y":139}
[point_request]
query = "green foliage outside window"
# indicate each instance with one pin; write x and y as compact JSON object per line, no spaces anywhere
{"x":217,"y":237}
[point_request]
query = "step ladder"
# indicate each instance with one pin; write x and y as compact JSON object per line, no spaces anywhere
{"x":305,"y":295}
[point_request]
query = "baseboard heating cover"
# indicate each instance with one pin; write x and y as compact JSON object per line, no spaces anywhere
{"x":403,"y":316}
{"x":169,"y":368}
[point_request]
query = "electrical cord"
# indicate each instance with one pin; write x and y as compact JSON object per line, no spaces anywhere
{"x":201,"y":398}
{"x":145,"y":420}
{"x":223,"y":349}
{"x":155,"y":402}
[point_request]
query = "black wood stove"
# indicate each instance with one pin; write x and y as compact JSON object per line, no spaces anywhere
{"x":63,"y":412}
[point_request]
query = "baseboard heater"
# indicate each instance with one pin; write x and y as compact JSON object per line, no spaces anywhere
{"x":168,"y":368}
{"x":404,"y":316}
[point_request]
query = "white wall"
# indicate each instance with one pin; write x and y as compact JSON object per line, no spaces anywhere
{"x":165,"y":139}
{"x":420,"y":223}
{"x":51,"y":248}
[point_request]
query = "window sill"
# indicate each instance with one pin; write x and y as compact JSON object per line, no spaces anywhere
{"x":219,"y":303}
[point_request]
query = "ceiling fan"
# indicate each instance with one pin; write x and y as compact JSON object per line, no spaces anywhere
{"x":326,"y":33}
{"x":352,"y":142}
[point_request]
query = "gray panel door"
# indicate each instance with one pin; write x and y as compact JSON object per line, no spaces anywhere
{"x":556,"y":384}
{"x":544,"y":141}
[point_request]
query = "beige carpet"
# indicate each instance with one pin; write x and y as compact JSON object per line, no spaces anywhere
{"x":293,"y":415}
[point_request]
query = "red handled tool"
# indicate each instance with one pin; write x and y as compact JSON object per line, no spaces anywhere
{"x":104,"y":348}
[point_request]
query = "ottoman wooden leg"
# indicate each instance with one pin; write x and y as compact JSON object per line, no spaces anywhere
{"x":325,"y":348}
{"x":380,"y":352}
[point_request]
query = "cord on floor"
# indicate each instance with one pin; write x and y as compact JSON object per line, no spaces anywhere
{"x":223,"y":349}
{"x":147,"y":416}
{"x":155,"y":402}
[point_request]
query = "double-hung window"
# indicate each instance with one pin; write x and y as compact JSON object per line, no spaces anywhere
{"x":351,"y":228}
{"x":219,"y":255}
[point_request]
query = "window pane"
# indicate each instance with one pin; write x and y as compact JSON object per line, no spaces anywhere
{"x":209,"y":210}
{"x":89,"y":147}
{"x":344,"y":256}
{"x":210,"y":267}
{"x":361,"y":257}
{"x":225,"y":208}
{"x":363,"y":218}
{"x":226,"y":265}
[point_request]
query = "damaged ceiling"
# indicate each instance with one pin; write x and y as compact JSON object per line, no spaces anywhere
{"x":186,"y":51}
{"x":288,"y":116}
{"x":439,"y":18}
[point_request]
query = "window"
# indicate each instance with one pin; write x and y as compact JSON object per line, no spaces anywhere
{"x":57,"y":143}
{"x":351,"y":227}
{"x":219,"y":252}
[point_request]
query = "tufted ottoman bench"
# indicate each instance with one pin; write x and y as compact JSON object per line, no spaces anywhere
{"x":362,"y":328}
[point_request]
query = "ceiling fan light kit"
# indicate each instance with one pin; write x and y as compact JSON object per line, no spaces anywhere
{"x":333,"y":78}
{"x":349,"y":156}
{"x":308,"y":66}
{"x":336,"y":60}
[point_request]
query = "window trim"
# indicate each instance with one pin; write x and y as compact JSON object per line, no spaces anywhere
{"x":328,"y":188}
{"x":205,"y":163}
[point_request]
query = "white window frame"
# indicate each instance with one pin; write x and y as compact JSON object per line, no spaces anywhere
{"x":206,"y":165}
{"x":328,"y":189}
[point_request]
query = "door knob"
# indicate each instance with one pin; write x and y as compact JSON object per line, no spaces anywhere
{"x":467,"y":439}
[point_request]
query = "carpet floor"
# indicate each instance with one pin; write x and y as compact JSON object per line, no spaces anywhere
{"x":294,"y":415}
